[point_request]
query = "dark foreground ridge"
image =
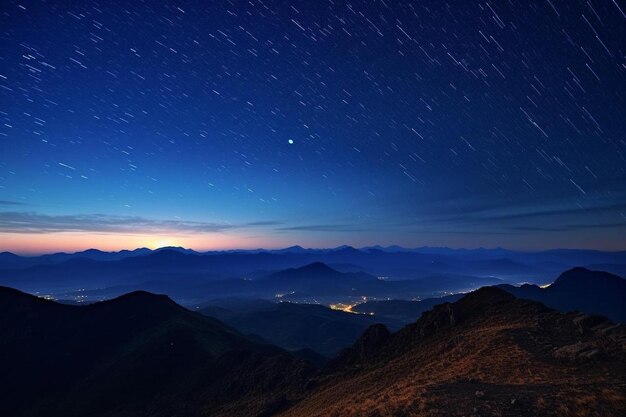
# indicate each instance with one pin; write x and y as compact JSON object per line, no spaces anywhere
{"x":140,"y":354}
{"x":488,"y":354}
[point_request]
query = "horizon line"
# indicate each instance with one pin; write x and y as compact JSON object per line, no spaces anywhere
{"x":311,"y":248}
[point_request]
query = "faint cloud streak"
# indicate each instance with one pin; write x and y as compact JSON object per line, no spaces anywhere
{"x":30,"y":222}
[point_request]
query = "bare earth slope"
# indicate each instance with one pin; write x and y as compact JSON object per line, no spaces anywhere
{"x":489,"y":354}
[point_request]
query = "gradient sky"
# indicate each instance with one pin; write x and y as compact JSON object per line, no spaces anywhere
{"x":216,"y":124}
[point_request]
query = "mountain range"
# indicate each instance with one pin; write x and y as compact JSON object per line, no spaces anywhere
{"x":191,"y":279}
{"x":439,"y":269}
{"x":488,"y":353}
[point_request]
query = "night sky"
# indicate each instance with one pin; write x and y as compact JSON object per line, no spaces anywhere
{"x":214,"y":124}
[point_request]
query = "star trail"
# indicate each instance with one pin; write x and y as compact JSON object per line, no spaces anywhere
{"x":221,"y":124}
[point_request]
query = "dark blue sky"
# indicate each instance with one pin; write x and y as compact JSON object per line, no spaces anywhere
{"x":455,"y":123}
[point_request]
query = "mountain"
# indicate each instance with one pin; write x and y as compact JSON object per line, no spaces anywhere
{"x":139,"y":354}
{"x":615,"y":269}
{"x":298,"y":326}
{"x":488,"y":354}
{"x":11,"y":261}
{"x":66,"y":272}
{"x":320,"y":280}
{"x":292,"y":249}
{"x":316,"y":278}
{"x":315,"y":270}
{"x":373,"y":259}
{"x":580,"y":289}
{"x":78,"y":272}
{"x":192,"y":279}
{"x":95,"y":255}
{"x":438,"y":269}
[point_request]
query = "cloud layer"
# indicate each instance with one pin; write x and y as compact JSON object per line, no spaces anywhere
{"x":31,"y":222}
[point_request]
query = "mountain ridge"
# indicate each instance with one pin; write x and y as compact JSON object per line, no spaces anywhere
{"x":581,"y":289}
{"x":487,"y":354}
{"x":140,"y":349}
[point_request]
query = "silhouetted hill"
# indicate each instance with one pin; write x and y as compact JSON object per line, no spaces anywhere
{"x":615,"y":269}
{"x":315,"y":279}
{"x":580,"y":289}
{"x":580,"y":279}
{"x":140,"y":354}
{"x":488,"y":354}
{"x":11,"y":260}
{"x":292,"y":249}
{"x":318,"y":279}
{"x":315,"y":270}
{"x":298,"y":326}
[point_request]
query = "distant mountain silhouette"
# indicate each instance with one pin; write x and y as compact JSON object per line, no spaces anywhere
{"x":193,"y":278}
{"x":316,"y":273}
{"x":292,"y":249}
{"x":318,"y":279}
{"x":557,"y":257}
{"x":11,"y":260}
{"x":580,"y":289}
{"x":487,"y":354}
{"x":438,"y":269}
{"x":298,"y":326}
{"x":140,"y":354}
{"x":316,"y":270}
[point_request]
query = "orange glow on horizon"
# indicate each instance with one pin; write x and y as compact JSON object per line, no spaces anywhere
{"x":40,"y":243}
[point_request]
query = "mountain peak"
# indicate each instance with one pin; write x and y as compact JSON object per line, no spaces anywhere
{"x":486,"y":296}
{"x":142,"y":301}
{"x":578,"y":270}
{"x":471,"y":306}
{"x":345,"y":248}
{"x":179,"y":249}
{"x":149,"y":344}
{"x":89,"y":251}
{"x":167,"y":253}
{"x":140,"y":294}
{"x":317,"y":267}
{"x":580,"y":278}
{"x":294,"y":248}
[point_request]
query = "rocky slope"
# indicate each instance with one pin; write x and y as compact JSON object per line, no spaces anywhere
{"x":488,"y":354}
